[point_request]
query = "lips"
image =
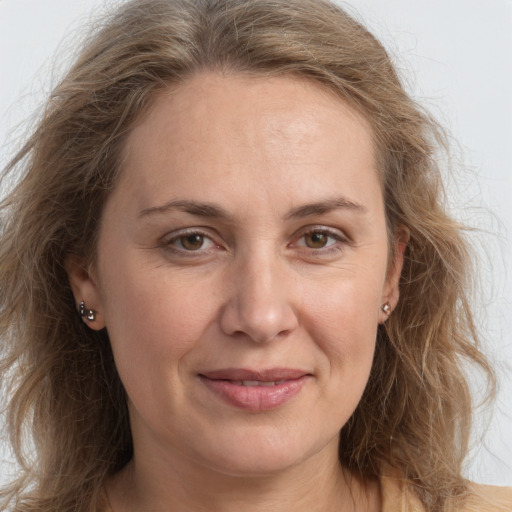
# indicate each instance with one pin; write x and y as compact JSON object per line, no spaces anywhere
{"x":255,"y":391}
{"x":250,"y":383}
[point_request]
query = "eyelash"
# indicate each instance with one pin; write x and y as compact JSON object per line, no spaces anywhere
{"x":338,"y":242}
{"x":169,"y":243}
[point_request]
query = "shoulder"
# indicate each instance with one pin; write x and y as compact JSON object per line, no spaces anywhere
{"x":488,"y":498}
{"x":398,"y":496}
{"x":102,"y":504}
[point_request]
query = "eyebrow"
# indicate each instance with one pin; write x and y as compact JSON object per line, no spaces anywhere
{"x":209,"y":210}
{"x":326,"y":206}
{"x":199,"y":209}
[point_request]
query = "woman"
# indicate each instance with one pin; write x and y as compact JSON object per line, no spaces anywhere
{"x":228,"y":279}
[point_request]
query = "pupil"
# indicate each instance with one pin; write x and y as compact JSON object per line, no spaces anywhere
{"x":192,"y":242}
{"x":316,"y":240}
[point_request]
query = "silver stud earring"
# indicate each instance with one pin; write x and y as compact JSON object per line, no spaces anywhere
{"x":89,"y":313}
{"x":386,"y":308}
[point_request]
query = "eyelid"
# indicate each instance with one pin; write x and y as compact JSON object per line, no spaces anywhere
{"x":167,"y":240}
{"x":320,"y":228}
{"x":335,"y":233}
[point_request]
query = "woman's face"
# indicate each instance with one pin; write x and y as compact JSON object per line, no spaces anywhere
{"x":242,"y":265}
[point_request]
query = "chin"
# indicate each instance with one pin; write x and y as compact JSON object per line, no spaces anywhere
{"x":263,"y":454}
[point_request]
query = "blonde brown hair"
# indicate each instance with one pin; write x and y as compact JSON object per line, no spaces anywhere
{"x":415,"y":412}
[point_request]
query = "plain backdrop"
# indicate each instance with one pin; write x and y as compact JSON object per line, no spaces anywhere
{"x":455,"y":57}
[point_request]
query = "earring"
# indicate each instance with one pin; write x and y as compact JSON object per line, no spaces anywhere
{"x":89,"y":313}
{"x":386,"y":308}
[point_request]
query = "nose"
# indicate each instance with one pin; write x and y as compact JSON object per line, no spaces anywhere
{"x":261,"y":304}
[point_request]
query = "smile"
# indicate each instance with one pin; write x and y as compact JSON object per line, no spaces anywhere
{"x":255,"y":391}
{"x":257,"y":383}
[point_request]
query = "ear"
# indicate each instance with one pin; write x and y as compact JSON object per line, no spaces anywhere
{"x":391,"y":292}
{"x":84,"y":287}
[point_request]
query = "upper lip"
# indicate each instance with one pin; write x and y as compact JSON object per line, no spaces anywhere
{"x":266,"y":375}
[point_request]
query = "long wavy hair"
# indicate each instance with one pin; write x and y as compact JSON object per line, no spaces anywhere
{"x":65,"y":397}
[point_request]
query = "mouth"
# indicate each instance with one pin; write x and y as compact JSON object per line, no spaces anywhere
{"x":250,"y":383}
{"x":255,"y":391}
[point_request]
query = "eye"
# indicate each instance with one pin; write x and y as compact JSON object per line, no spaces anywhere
{"x":319,"y":239}
{"x":190,"y":242}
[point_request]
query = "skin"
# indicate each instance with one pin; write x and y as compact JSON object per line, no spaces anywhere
{"x":269,"y":283}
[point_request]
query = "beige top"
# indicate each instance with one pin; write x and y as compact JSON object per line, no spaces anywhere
{"x":398,"y":497}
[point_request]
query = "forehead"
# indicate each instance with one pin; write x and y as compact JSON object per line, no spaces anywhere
{"x":267,"y":132}
{"x":208,"y":99}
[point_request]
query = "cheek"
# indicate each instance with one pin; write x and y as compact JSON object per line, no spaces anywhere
{"x":343,"y":319}
{"x":153,"y":321}
{"x":346,"y":336}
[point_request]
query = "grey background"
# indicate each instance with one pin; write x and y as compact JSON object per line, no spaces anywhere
{"x":456,"y":59}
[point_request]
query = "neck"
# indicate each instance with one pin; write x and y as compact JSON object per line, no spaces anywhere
{"x":317,"y":485}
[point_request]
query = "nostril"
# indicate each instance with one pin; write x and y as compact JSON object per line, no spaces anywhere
{"x":260,"y":304}
{"x":261,"y":324}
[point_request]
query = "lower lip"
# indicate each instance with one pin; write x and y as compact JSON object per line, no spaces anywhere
{"x":255,"y":398}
